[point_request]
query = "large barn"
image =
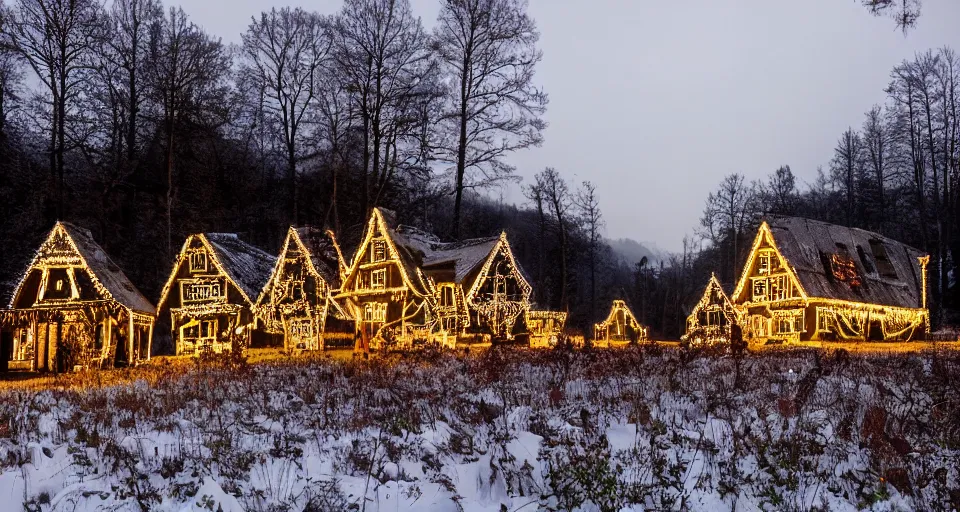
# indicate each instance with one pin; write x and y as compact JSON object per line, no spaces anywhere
{"x":810,"y":280}
{"x":74,"y":308}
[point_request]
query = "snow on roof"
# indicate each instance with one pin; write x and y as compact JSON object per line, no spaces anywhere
{"x":107,"y":272}
{"x":247,"y":266}
{"x":322,"y":253}
{"x":806,"y":244}
{"x":465,"y":256}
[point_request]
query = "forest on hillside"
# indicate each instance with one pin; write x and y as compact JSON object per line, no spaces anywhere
{"x":132,"y":121}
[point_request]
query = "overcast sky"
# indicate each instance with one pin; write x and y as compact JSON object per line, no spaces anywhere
{"x":655,"y":101}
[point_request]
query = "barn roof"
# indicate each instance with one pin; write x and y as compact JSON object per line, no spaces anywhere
{"x":105,"y":272}
{"x":247,"y":266}
{"x":808,"y":245}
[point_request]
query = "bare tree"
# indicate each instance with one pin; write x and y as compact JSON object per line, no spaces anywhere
{"x":877,"y":146}
{"x":780,"y":192}
{"x":132,"y":20}
{"x":11,"y":87}
{"x":187,"y":74}
{"x":588,"y":207}
{"x":382,"y":50}
{"x":54,"y":37}
{"x":726,"y":216}
{"x":845,"y":169}
{"x":488,"y":48}
{"x":904,"y":12}
{"x":556,"y":196}
{"x":284,"y":51}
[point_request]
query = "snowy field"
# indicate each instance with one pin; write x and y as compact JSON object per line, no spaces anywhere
{"x":632,"y":429}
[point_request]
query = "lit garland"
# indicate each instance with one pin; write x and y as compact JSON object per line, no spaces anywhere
{"x":835,"y":318}
{"x":431,"y":311}
{"x":287,"y":306}
{"x":78,"y":319}
{"x":713,"y":303}
{"x":545,"y":327}
{"x":500,"y":310}
{"x":621,"y":329}
{"x":204,"y":313}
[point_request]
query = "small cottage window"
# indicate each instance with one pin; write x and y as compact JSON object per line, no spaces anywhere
{"x":378,"y":279}
{"x":764,"y":262}
{"x":760,"y":290}
{"x":375,"y":312}
{"x":59,"y":285}
{"x":379,"y":250}
{"x":198,"y":261}
{"x":884,"y":266}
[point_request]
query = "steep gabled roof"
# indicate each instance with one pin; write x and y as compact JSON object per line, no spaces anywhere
{"x":620,"y":305}
{"x":323,"y":257}
{"x":323,"y":254}
{"x":106,"y":274}
{"x":410,"y":258}
{"x":465,"y":257}
{"x":713,"y":287}
{"x":246,"y":266}
{"x":890,"y":271}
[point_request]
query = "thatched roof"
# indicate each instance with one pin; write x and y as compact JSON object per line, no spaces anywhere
{"x":322,"y":253}
{"x":247,"y":266}
{"x":890,"y":270}
{"x":104,"y":271}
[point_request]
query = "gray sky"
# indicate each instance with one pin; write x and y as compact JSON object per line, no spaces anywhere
{"x":656,"y":101}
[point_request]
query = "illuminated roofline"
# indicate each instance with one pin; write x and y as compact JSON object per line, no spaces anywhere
{"x":764,"y":231}
{"x":377,"y":220}
{"x":292,"y":234}
{"x":484,"y":271}
{"x":216,"y":262}
{"x":73,"y":245}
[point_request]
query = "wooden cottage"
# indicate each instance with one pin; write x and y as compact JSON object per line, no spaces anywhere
{"x":810,"y":280}
{"x":405,"y":287}
{"x":711,"y":318}
{"x":296,"y":301}
{"x":74,"y":308}
{"x":620,"y":326}
{"x":544,"y":327}
{"x":479,"y":290}
{"x":211,"y":292}
{"x":384,"y":290}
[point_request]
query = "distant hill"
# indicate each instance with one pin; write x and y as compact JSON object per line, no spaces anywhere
{"x":630,"y":251}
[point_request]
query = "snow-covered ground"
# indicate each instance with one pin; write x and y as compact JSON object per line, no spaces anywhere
{"x":632,"y":429}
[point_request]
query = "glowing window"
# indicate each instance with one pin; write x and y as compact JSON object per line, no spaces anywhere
{"x":375,"y":312}
{"x":198,"y":261}
{"x":379,"y":250}
{"x":378,"y":279}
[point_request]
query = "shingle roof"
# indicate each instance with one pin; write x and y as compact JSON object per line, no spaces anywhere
{"x":807,"y":244}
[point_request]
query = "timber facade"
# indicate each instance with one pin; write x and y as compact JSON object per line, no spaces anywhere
{"x":620,"y":326}
{"x":806,"y":280}
{"x":298,"y":297}
{"x":74,"y":308}
{"x":712,"y":318}
{"x":211,"y":292}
